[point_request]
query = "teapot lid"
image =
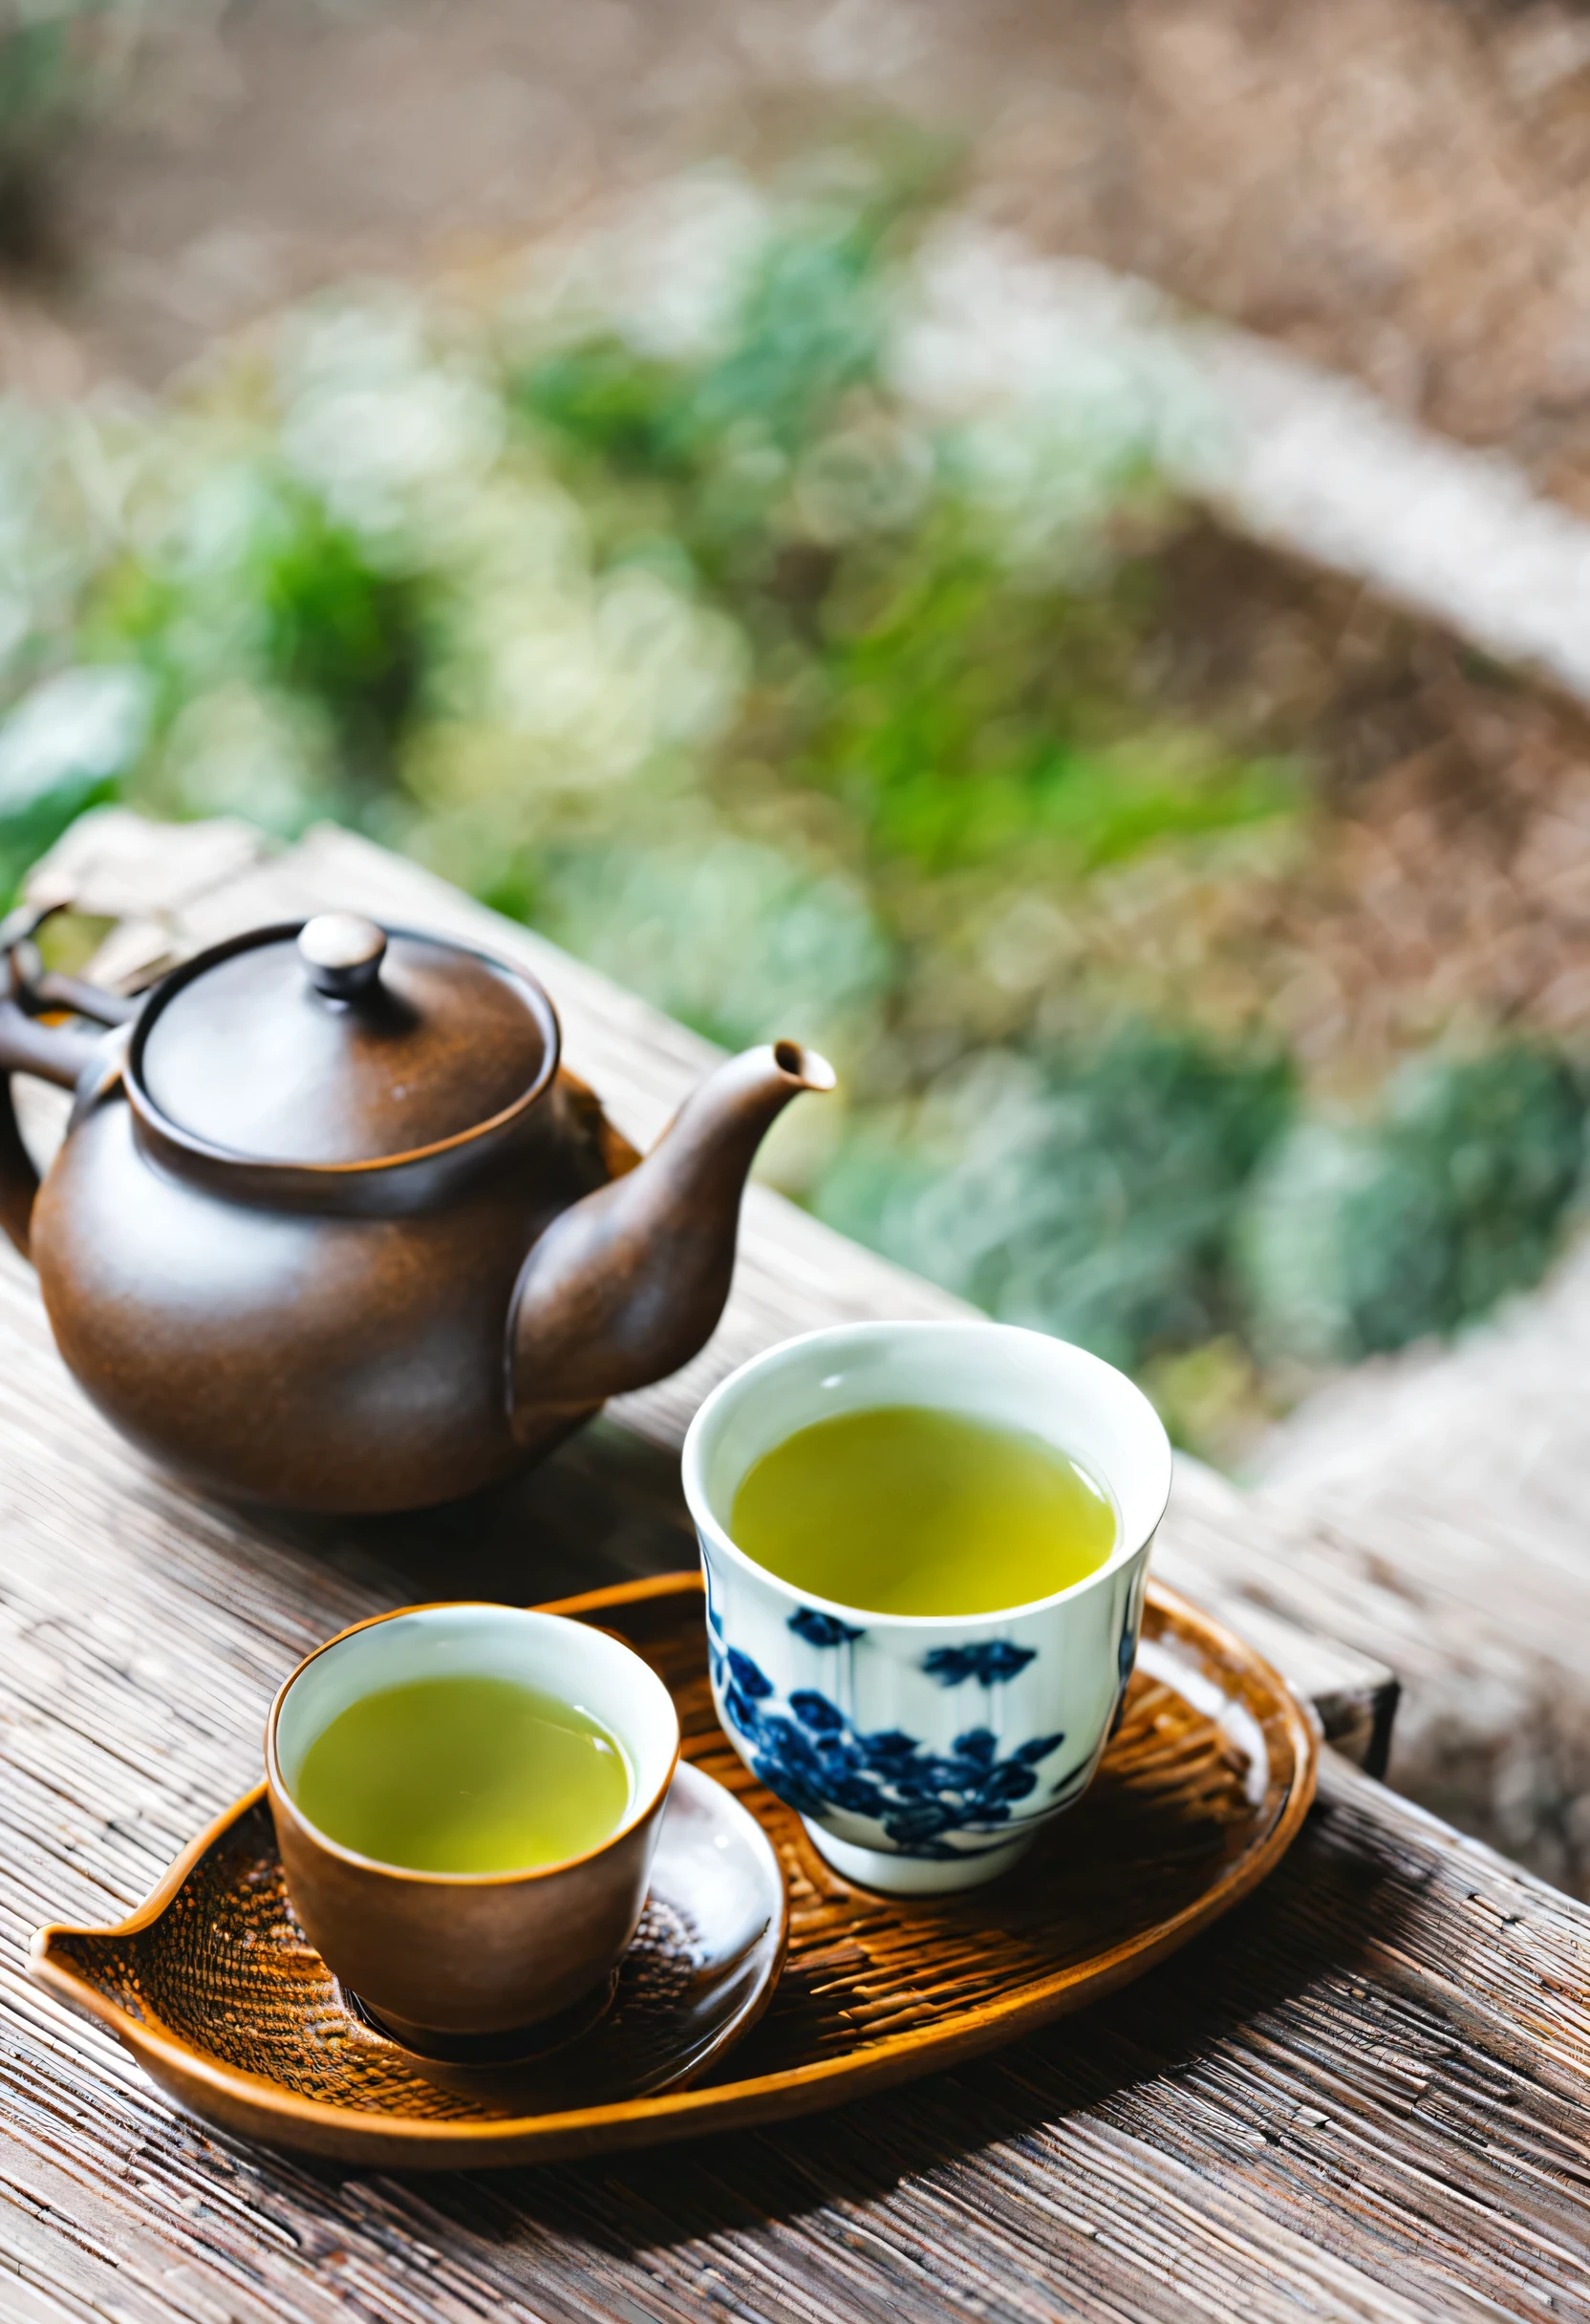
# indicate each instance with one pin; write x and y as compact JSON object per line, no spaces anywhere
{"x":338,"y":1042}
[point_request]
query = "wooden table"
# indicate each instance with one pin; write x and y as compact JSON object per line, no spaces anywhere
{"x":1362,"y":2095}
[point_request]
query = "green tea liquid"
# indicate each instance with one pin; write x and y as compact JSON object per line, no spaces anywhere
{"x":464,"y":1774}
{"x":906,"y":1510}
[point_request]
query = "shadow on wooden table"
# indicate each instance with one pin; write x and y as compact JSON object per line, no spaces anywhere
{"x":1236,"y":2046}
{"x":1340,"y":2064}
{"x":1163,"y":2059}
{"x":606,"y":1507}
{"x":1158,"y":2062}
{"x":1229,"y":2065}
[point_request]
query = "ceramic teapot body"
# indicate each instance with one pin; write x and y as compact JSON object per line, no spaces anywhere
{"x":330,"y":1228}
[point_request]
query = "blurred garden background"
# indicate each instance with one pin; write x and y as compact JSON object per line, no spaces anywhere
{"x":526,"y":436}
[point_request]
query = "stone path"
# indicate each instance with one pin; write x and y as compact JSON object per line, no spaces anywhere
{"x":1290,"y":454}
{"x":1448,"y":1494}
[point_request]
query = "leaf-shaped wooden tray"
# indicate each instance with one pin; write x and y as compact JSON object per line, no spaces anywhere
{"x":212,"y":1987}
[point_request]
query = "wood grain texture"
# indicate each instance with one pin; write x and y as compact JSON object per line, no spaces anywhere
{"x":171,"y":889}
{"x":1366,"y":2095}
{"x":214,"y":1987}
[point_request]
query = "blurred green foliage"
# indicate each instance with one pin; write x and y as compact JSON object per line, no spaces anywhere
{"x":1358,"y":1237}
{"x":341,"y":634}
{"x":723,"y":936}
{"x":50,"y":60}
{"x":963,"y":719}
{"x":1089,"y":1194}
{"x":962,"y":695}
{"x":795,"y":704}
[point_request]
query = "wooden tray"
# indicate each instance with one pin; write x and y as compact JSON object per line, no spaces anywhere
{"x":212,"y":1988}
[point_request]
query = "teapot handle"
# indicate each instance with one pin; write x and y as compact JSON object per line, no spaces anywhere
{"x":59,"y":1053}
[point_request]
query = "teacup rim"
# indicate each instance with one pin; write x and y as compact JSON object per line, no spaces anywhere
{"x":279,"y":1794}
{"x":706,"y":1520}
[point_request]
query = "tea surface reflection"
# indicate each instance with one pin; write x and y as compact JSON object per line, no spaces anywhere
{"x":908,"y":1509}
{"x":466,"y":1773}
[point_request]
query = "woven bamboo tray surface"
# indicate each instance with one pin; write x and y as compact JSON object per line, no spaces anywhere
{"x":214,"y":1987}
{"x":1365,"y":2094}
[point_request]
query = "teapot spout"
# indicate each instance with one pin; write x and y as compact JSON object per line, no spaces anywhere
{"x":628,"y":1283}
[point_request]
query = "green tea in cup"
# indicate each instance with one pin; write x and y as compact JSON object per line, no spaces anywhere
{"x":467,"y":1774}
{"x":467,"y":1800}
{"x":910,"y":1509}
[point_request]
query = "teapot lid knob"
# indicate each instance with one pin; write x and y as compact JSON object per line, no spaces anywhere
{"x":342,"y":953}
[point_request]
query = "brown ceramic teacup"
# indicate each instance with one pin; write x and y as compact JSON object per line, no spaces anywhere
{"x":440,"y":1954}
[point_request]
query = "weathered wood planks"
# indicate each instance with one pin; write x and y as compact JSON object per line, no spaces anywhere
{"x":1366,"y":2095}
{"x":172,"y":889}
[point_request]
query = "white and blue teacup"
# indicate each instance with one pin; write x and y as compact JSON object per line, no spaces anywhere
{"x":925,"y":1753}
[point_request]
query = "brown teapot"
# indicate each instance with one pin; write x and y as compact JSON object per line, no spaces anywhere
{"x":330,"y":1228}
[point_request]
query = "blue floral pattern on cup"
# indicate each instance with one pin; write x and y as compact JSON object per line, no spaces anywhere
{"x":991,"y":1663}
{"x":925,"y":1753}
{"x":813,"y":1758}
{"x":821,"y":1629}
